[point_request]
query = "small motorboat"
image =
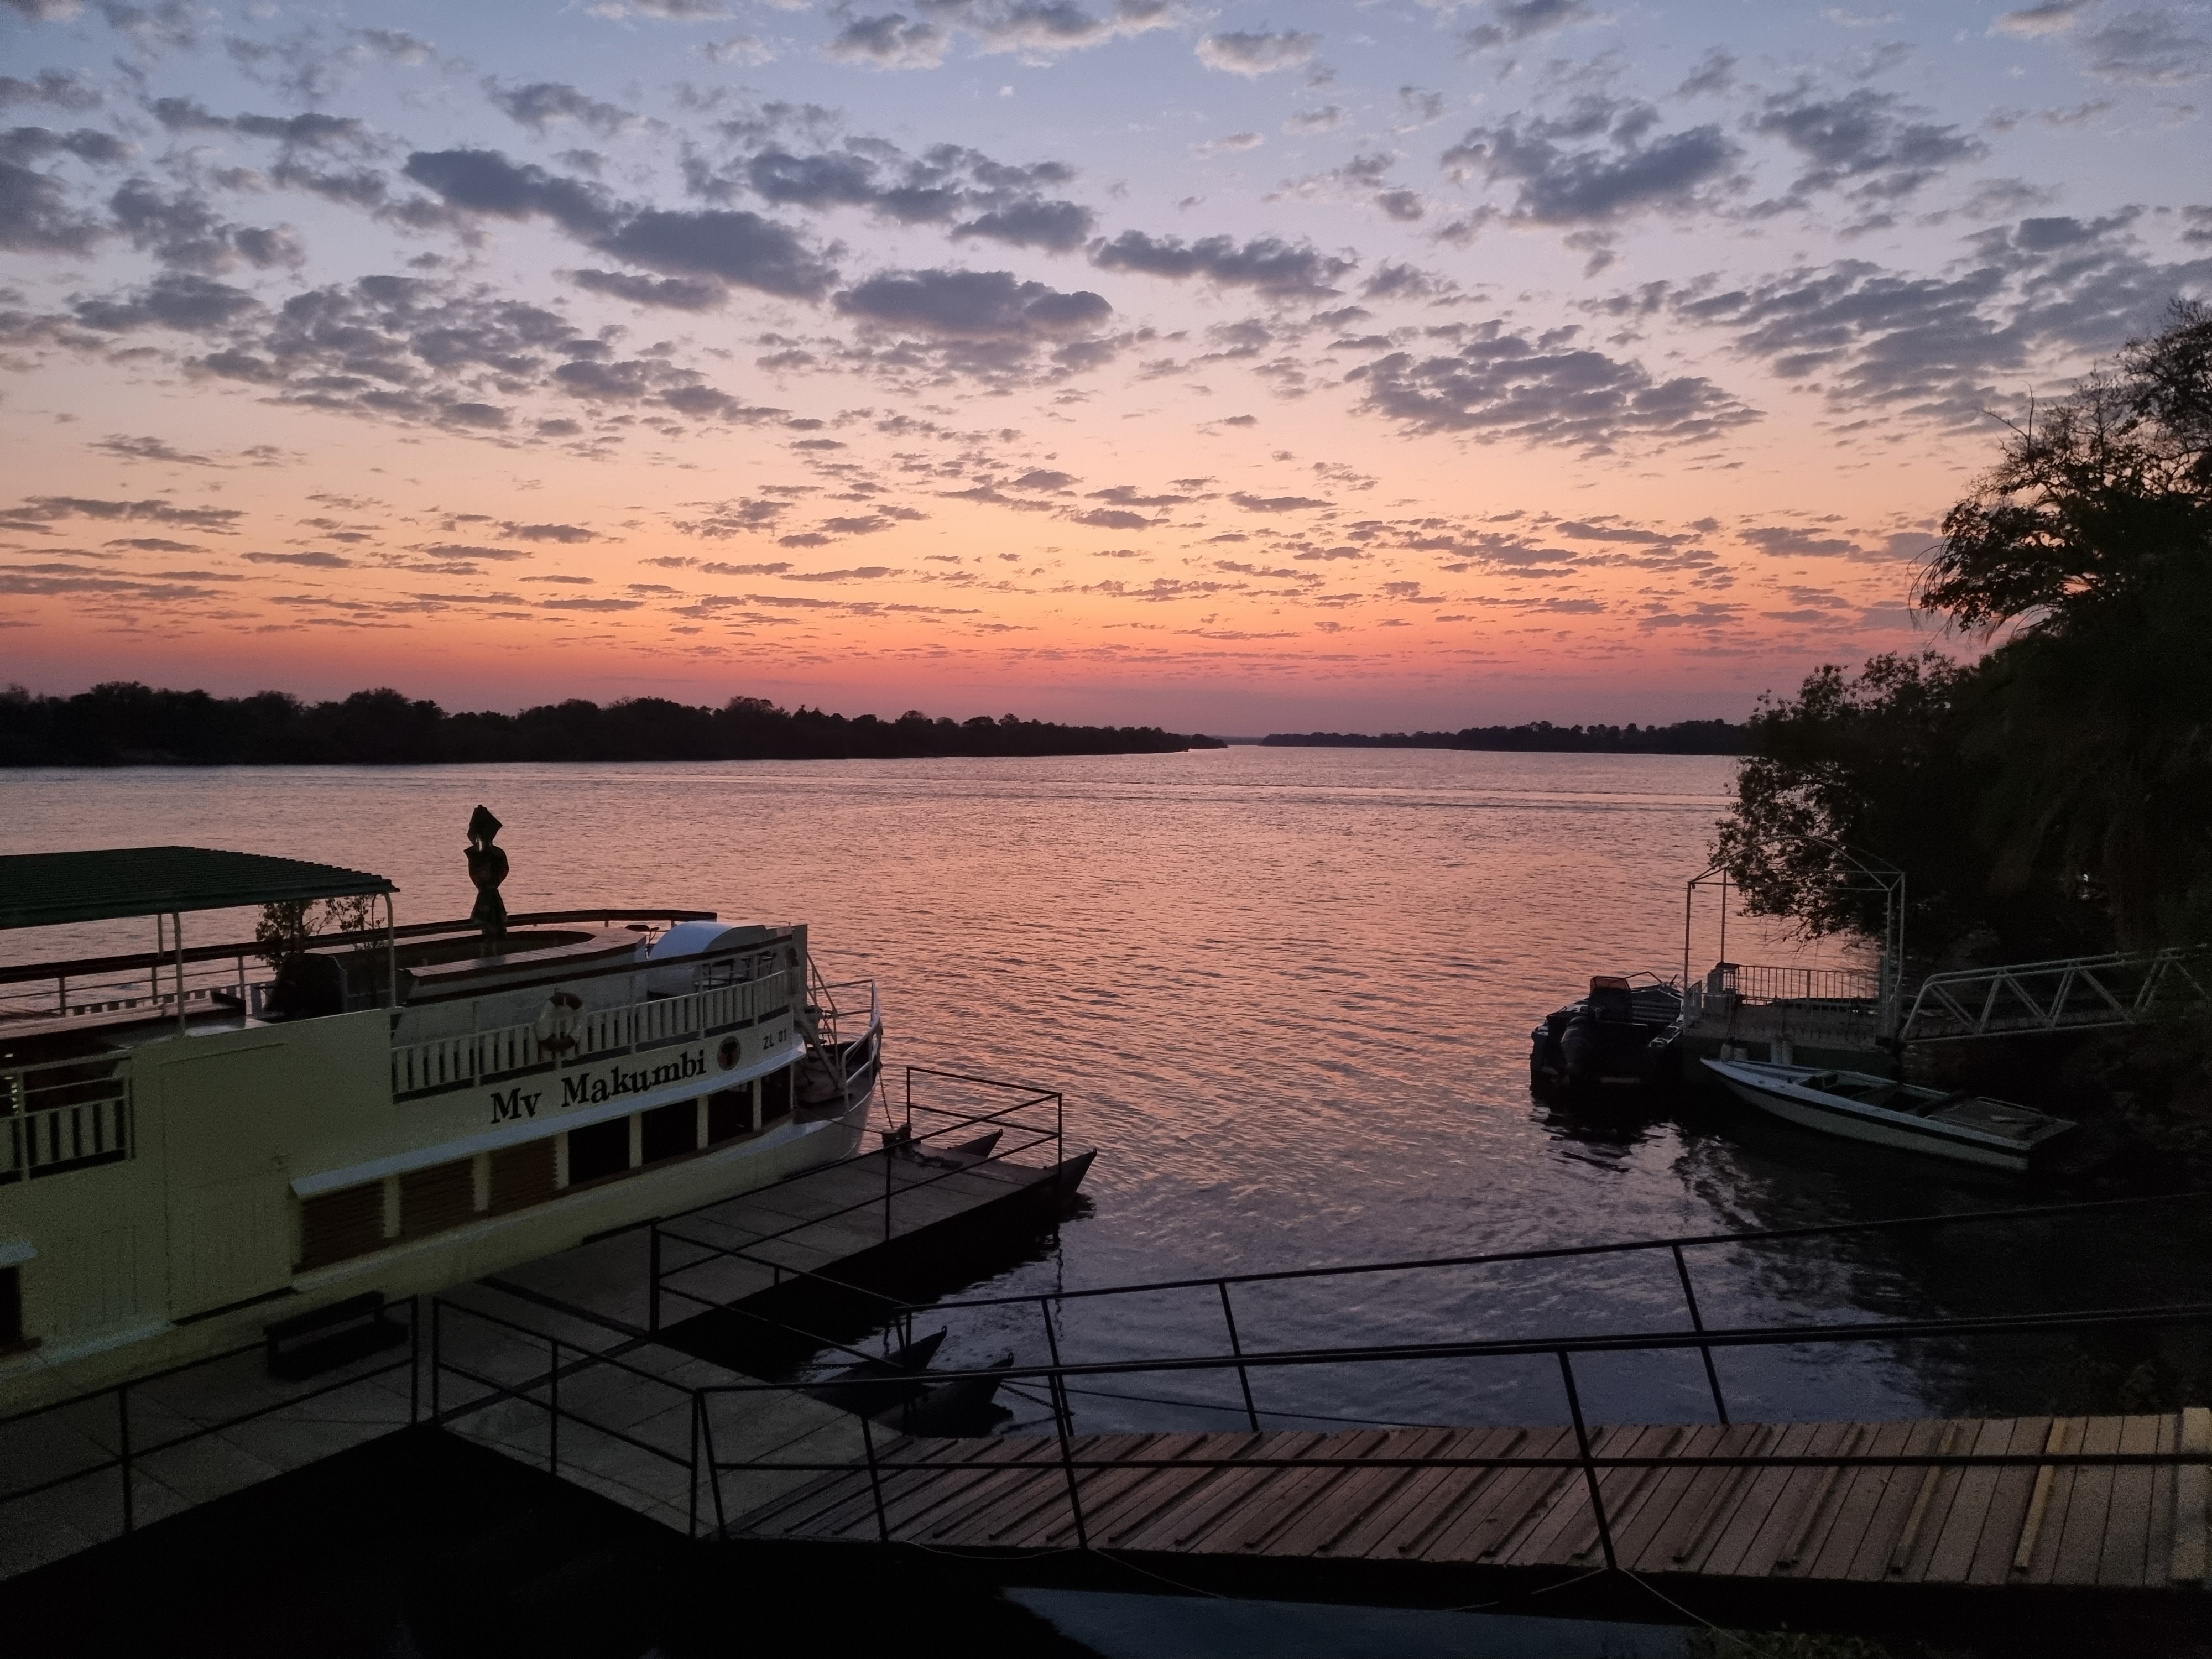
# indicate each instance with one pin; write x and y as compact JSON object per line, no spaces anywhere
{"x":1959,"y":1124}
{"x":1606,"y":1039}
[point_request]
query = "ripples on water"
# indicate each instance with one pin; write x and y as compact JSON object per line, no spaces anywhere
{"x":1287,"y":993}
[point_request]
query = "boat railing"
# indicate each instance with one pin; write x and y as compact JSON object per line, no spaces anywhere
{"x":223,"y":978}
{"x":63,"y":1114}
{"x":559,"y":1036}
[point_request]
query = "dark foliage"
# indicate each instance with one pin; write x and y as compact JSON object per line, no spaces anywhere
{"x":2055,"y":796}
{"x":124,"y":724}
{"x":1541,"y":738}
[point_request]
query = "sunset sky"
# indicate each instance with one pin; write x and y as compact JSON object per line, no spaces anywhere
{"x":1235,"y":367}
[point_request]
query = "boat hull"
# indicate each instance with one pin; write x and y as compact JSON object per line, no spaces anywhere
{"x":1876,"y":1129}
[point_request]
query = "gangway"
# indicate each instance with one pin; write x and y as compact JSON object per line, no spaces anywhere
{"x":2072,"y":994}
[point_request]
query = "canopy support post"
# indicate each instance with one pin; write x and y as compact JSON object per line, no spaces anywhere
{"x":177,"y":926}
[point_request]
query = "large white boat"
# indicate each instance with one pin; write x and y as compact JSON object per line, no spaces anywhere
{"x":1957,"y":1124}
{"x":199,"y":1141}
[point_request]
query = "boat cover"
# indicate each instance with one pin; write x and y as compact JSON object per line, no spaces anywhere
{"x":45,"y":889}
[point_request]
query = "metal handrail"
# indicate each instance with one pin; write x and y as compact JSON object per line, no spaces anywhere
{"x":1586,"y":1458}
{"x":662,"y":1229}
{"x":129,"y":1452}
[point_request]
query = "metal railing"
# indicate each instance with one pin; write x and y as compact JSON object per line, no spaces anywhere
{"x":1022,"y":1120}
{"x":895,"y":1459}
{"x":2077,"y":993}
{"x":224,"y":977}
{"x":132,"y":1449}
{"x":466,"y":1058}
{"x":1055,"y":1376}
{"x":63,"y":1114}
{"x":1758,"y":982}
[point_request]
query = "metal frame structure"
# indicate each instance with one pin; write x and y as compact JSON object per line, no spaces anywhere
{"x":1860,"y":872}
{"x":2074,"y":994}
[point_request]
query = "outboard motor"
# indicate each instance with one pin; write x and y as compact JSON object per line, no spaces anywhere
{"x":1578,"y":1046}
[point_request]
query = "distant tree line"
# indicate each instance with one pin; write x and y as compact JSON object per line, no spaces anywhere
{"x":125,"y":724}
{"x":1541,"y":738}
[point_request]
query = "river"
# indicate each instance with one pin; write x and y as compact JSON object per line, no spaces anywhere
{"x":1287,"y":993}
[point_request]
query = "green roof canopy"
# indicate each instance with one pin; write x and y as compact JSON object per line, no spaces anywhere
{"x":44,"y":890}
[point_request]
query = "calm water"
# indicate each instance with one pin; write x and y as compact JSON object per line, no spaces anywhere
{"x":1288,"y":994}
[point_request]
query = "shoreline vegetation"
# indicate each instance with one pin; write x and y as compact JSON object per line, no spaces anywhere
{"x":125,"y":724}
{"x":2050,"y":796}
{"x":1540,"y":737}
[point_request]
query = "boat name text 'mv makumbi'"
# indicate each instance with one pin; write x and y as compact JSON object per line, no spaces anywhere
{"x":197,"y":1141}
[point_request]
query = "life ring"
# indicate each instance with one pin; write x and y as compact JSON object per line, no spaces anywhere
{"x":730,"y":1049}
{"x":557,"y":1021}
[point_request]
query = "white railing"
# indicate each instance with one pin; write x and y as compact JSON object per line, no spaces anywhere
{"x":2074,"y":994}
{"x":468,"y":1057}
{"x":63,"y":1114}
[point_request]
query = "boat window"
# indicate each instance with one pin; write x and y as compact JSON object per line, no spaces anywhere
{"x":776,"y":1096}
{"x":729,"y":1114}
{"x":600,"y":1149}
{"x":669,"y":1131}
{"x":11,"y":1308}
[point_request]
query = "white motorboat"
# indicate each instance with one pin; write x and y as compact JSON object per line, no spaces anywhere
{"x":199,"y":1141}
{"x":1959,"y":1125}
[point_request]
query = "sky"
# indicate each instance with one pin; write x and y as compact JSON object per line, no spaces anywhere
{"x":1231,"y":367}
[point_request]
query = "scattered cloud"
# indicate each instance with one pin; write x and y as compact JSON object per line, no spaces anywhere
{"x":1252,"y":52}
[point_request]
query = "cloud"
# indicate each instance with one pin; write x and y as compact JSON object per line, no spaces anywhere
{"x":1229,"y":144}
{"x":1514,"y":20}
{"x":567,"y":535}
{"x":1252,"y":503}
{"x":47,"y":510}
{"x":541,"y":103}
{"x":1861,"y":139}
{"x":1032,"y":221}
{"x":2054,"y":18}
{"x":1107,"y":517}
{"x":973,"y":303}
{"x":2156,"y":45}
{"x":891,"y":41}
{"x":86,"y":143}
{"x":1005,"y":202}
{"x":732,"y":244}
{"x":151,"y":449}
{"x":35,"y":215}
{"x":1248,"y":52}
{"x":1596,"y":163}
{"x":312,"y":130}
{"x":485,"y":181}
{"x":1501,"y":385}
{"x":744,"y":50}
{"x":667,"y":293}
{"x":179,"y":300}
{"x":1268,"y":265}
{"x":1328,"y":118}
{"x":316,"y":561}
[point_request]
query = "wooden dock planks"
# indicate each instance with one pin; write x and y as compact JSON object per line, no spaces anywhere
{"x":2110,"y":1526}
